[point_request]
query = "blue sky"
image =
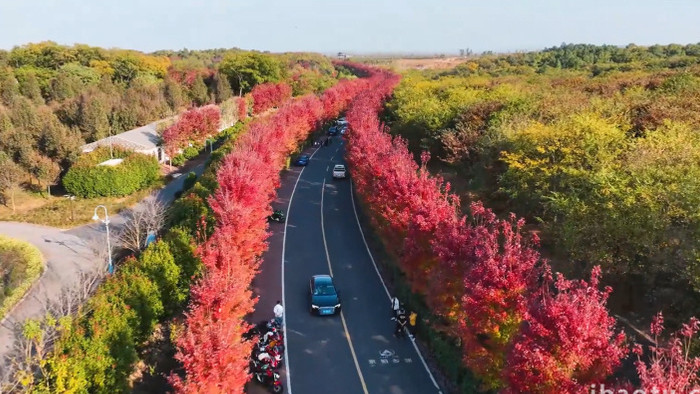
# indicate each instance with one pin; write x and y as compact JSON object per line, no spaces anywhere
{"x":357,"y":26}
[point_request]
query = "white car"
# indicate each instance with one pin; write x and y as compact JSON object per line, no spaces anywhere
{"x":339,"y":171}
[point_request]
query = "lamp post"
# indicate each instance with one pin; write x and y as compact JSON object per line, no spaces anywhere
{"x":70,"y":198}
{"x":95,"y":217}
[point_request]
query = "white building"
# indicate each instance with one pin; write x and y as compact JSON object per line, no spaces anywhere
{"x":144,"y":140}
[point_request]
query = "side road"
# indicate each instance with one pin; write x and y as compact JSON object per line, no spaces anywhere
{"x":65,"y":257}
{"x":67,"y":254}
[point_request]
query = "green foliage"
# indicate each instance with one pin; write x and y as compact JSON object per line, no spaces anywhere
{"x":188,"y":211}
{"x":97,"y":349}
{"x":198,"y":91}
{"x":181,"y":245}
{"x":604,"y":161}
{"x":189,"y":181}
{"x":246,"y":69}
{"x":87,"y":179}
{"x":159,"y":264}
{"x":20,"y":265}
{"x":222,"y":88}
{"x":187,"y":153}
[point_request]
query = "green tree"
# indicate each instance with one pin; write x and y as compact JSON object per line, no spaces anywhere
{"x":93,"y":118}
{"x":64,"y":86}
{"x":29,"y":86}
{"x":9,"y":88}
{"x":46,"y":171}
{"x":56,"y":140}
{"x":198,"y":91}
{"x":11,"y":175}
{"x":159,"y":264}
{"x":173,"y":94}
{"x":222,"y":88}
{"x":247,"y":69}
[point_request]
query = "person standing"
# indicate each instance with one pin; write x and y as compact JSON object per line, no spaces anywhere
{"x":279,"y":312}
{"x":395,"y":306}
{"x":401,"y":321}
{"x":412,"y":317}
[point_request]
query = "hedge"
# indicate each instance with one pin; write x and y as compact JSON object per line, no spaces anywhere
{"x":27,"y":265}
{"x":88,"y":180}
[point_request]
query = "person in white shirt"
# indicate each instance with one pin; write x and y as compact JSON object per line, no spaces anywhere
{"x":395,"y":306}
{"x":279,"y":312}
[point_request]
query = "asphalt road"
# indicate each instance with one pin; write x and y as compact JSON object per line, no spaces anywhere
{"x":355,"y":352}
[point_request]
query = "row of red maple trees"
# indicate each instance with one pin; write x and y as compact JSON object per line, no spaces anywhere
{"x":214,"y":357}
{"x":269,"y":95}
{"x":194,"y":125}
{"x":522,"y":328}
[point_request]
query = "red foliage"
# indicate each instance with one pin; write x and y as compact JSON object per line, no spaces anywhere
{"x":193,"y":126}
{"x":569,"y":341}
{"x":670,"y":367}
{"x":269,"y":95}
{"x":490,"y":266}
{"x":212,"y":352}
{"x":242,"y":108}
{"x":480,"y":275}
{"x":187,"y":77}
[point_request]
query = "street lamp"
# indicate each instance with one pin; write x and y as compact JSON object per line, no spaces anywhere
{"x":70,"y":197}
{"x":110,"y":267}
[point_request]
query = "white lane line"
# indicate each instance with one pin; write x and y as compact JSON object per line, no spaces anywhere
{"x":284,"y":301}
{"x":385,"y":288}
{"x":342,"y":317}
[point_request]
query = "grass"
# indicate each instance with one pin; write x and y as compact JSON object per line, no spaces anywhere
{"x":20,"y":265}
{"x":58,"y":211}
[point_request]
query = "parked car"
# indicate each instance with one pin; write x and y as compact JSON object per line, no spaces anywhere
{"x":302,"y":160}
{"x":323,"y":296}
{"x":333,"y":130}
{"x":339,"y":171}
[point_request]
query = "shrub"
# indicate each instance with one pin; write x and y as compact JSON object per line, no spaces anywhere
{"x":20,"y":265}
{"x":86,"y":179}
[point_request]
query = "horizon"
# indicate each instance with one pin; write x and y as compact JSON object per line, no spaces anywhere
{"x":358,"y":27}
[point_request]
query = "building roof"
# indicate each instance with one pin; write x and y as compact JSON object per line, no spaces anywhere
{"x":142,"y":138}
{"x":111,"y":162}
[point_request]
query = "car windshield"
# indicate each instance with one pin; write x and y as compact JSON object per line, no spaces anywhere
{"x":339,"y":168}
{"x":324,"y":289}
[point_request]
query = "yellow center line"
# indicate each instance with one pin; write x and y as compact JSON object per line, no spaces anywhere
{"x":342,"y":317}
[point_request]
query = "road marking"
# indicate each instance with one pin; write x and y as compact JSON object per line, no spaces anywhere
{"x":284,"y":301}
{"x":362,"y":233}
{"x":342,"y":317}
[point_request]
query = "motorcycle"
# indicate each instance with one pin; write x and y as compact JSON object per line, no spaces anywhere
{"x":277,"y":216}
{"x":264,"y":375}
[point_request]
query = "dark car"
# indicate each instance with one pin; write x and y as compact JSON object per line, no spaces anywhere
{"x":323,"y":296}
{"x":302,"y":160}
{"x":333,"y":130}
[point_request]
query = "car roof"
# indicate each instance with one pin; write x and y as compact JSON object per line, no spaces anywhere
{"x":322,"y":279}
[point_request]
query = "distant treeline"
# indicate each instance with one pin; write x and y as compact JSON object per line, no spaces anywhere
{"x":55,"y":98}
{"x":593,"y":58}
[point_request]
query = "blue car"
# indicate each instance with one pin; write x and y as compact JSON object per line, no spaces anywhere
{"x":323,"y":296}
{"x":333,"y":131}
{"x":302,"y":160}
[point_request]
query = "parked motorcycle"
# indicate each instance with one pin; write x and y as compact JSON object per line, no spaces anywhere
{"x":264,"y":375}
{"x":277,"y":216}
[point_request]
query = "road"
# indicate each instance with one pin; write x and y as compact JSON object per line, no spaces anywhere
{"x":66,"y":254}
{"x":65,"y":257}
{"x":355,"y":352}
